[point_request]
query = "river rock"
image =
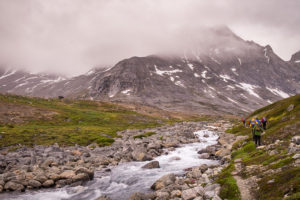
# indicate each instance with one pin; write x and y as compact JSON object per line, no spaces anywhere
{"x":1,"y":188}
{"x":160,"y":195}
{"x":164,"y":181}
{"x":81,"y":177}
{"x":192,"y":193}
{"x":175,"y":193}
{"x":142,"y":196}
{"x":81,"y":170}
{"x":140,"y":156}
{"x":68,"y":174}
{"x":11,"y":185}
{"x":48,"y":183}
{"x":34,"y":183}
{"x":151,"y":165}
{"x":103,"y":198}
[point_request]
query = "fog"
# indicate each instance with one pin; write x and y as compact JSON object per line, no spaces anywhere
{"x":73,"y":36}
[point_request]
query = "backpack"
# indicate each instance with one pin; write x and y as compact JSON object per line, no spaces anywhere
{"x":257,"y":129}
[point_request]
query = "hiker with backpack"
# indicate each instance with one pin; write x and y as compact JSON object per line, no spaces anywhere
{"x":244,"y":122}
{"x":264,"y":123}
{"x":251,"y":125}
{"x":257,"y":130}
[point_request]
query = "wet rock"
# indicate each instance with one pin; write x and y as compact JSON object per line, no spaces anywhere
{"x":90,"y":173}
{"x":151,"y":165}
{"x":13,"y":186}
{"x":175,"y":193}
{"x":103,"y":198}
{"x":68,"y":174}
{"x":34,"y":183}
{"x":81,"y":177}
{"x":140,"y":156}
{"x":204,"y":156}
{"x":142,"y":196}
{"x":164,"y":181}
{"x":48,"y":183}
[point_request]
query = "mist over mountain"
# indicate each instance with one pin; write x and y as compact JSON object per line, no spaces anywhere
{"x":225,"y":75}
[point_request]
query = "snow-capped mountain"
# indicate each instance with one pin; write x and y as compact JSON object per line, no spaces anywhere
{"x":226,"y":75}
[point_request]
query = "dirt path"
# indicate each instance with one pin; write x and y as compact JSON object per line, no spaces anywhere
{"x":244,"y":188}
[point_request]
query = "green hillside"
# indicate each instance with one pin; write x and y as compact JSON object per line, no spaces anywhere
{"x":36,"y":121}
{"x":274,"y":166}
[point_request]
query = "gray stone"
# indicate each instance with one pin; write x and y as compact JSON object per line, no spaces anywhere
{"x":11,"y":185}
{"x":189,"y":194}
{"x":164,"y":181}
{"x":34,"y":183}
{"x":290,"y":108}
{"x":48,"y":183}
{"x":151,"y":165}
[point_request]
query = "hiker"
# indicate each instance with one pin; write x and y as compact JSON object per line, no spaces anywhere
{"x":257,"y":130}
{"x":264,"y":123}
{"x":244,"y":122}
{"x":251,"y":125}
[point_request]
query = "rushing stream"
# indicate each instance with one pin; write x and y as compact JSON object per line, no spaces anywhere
{"x":127,"y":178}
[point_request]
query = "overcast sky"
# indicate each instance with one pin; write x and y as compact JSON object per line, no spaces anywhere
{"x":72,"y":36}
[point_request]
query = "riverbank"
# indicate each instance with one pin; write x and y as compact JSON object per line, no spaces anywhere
{"x":56,"y":166}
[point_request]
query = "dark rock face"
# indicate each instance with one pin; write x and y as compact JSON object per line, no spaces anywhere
{"x":229,"y":75}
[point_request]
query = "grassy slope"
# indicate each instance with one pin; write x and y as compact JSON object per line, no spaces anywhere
{"x":283,"y":125}
{"x":67,"y":122}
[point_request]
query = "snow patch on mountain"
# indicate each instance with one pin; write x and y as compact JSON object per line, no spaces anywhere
{"x":162,"y":73}
{"x":203,"y":74}
{"x":225,"y":77}
{"x":196,"y":75}
{"x":278,"y":92}
{"x":9,"y":74}
{"x":127,"y":92}
{"x":249,"y":88}
{"x":179,"y":83}
{"x":191,"y":66}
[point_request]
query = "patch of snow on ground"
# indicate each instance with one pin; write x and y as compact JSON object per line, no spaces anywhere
{"x":20,"y":79}
{"x":127,"y":92}
{"x":179,"y":83}
{"x":172,"y":78}
{"x":249,"y":88}
{"x":203,"y":81}
{"x":206,"y":67}
{"x":297,"y":61}
{"x":203,"y":74}
{"x":22,"y":84}
{"x":240,"y":61}
{"x":162,"y":73}
{"x":278,"y":92}
{"x":191,"y":66}
{"x":270,"y":102}
{"x":266,"y":55}
{"x":90,"y":72}
{"x":196,"y":75}
{"x":108,"y":69}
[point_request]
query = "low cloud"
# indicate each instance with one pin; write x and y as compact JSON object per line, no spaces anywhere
{"x":72,"y":36}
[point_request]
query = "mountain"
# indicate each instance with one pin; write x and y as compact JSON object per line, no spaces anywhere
{"x":221,"y":73}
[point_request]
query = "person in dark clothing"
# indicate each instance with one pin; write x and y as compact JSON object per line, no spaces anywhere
{"x":244,"y":122}
{"x":264,"y":123}
{"x":257,"y":130}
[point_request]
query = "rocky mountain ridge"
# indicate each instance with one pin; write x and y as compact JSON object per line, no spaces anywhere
{"x":228,"y":75}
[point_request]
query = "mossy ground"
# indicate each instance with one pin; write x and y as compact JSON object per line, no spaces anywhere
{"x":147,"y":134}
{"x":283,"y":125}
{"x":73,"y":122}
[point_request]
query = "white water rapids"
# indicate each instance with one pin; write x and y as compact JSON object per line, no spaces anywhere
{"x":127,"y":178}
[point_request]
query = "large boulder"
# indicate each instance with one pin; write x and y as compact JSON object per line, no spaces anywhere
{"x":48,"y":183}
{"x":68,"y":174}
{"x":151,"y":165}
{"x":164,"y":181}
